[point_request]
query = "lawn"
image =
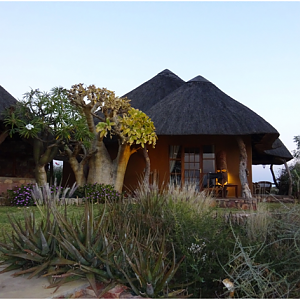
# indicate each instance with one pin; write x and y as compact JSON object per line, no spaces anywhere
{"x":18,"y":214}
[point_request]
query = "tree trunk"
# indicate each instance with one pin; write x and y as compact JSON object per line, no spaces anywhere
{"x":273,"y":176}
{"x":243,"y":173}
{"x":290,"y":179}
{"x":3,"y":136}
{"x":147,"y":168}
{"x":41,"y":159}
{"x":78,"y":169}
{"x":100,"y":166}
{"x":120,"y":165}
{"x":40,"y":175}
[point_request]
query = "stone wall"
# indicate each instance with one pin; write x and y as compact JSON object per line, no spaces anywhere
{"x":237,"y":203}
{"x":9,"y":183}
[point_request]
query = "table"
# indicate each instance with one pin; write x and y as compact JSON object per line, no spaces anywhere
{"x":235,"y":186}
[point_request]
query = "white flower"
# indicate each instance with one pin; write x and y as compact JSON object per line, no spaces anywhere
{"x":29,"y":126}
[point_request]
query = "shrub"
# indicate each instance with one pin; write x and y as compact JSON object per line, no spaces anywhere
{"x":186,"y":217}
{"x":283,"y":180}
{"x":267,"y":265}
{"x":21,"y":196}
{"x":98,"y":193}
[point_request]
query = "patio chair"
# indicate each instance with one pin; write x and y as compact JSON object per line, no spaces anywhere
{"x":263,"y":187}
{"x":214,"y":184}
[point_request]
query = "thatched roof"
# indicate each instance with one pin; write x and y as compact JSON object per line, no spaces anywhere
{"x":152,"y":91}
{"x":277,"y":155}
{"x":199,"y":107}
{"x":6,"y":100}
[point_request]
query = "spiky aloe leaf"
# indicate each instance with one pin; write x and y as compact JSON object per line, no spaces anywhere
{"x":28,"y":256}
{"x":63,"y":225}
{"x":169,"y":275}
{"x":89,"y":216}
{"x":39,"y":269}
{"x":25,"y":271}
{"x":69,"y":276}
{"x":44,"y":244}
{"x":72,"y":251}
{"x":4,"y":248}
{"x":62,"y":261}
{"x":56,"y":271}
{"x":107,"y":288}
{"x":30,"y":226}
{"x":91,"y":279}
{"x":10,"y":268}
{"x":78,"y":229}
{"x":23,"y":238}
{"x":129,"y":280}
{"x":104,"y":276}
{"x":72,"y":235}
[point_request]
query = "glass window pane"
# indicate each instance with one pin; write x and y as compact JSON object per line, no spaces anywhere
{"x":186,"y":157}
{"x":208,"y":155}
{"x":208,"y":166}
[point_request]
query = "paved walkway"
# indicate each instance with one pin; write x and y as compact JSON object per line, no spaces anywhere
{"x":36,"y":288}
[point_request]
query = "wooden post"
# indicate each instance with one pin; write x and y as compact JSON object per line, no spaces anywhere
{"x":243,"y":173}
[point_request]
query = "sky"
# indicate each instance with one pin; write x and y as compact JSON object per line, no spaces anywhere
{"x":249,"y":50}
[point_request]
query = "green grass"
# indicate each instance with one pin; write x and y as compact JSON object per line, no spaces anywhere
{"x":18,"y":213}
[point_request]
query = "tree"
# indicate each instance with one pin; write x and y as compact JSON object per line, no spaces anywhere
{"x":296,"y":152}
{"x":284,"y":182}
{"x":132,"y":128}
{"x":243,"y":170}
{"x":49,"y":122}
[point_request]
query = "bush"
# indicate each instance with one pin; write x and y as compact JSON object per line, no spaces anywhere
{"x":21,"y":196}
{"x":283,"y":180}
{"x":267,"y":265}
{"x":187,"y":219}
{"x":98,"y":193}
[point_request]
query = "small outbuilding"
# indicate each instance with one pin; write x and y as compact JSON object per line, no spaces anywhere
{"x":16,"y":157}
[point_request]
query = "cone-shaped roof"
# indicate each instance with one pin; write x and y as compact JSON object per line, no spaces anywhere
{"x":199,"y":107}
{"x":6,"y":100}
{"x":276,"y":156}
{"x":152,"y":91}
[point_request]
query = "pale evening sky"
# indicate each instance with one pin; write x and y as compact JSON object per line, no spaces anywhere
{"x":250,"y":50}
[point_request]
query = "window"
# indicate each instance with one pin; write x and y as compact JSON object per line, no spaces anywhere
{"x":191,"y":164}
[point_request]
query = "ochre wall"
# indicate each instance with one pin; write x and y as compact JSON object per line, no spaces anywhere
{"x":159,"y":157}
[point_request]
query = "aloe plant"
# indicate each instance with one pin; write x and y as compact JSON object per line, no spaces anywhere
{"x":152,"y":268}
{"x":85,"y":241}
{"x":30,"y":246}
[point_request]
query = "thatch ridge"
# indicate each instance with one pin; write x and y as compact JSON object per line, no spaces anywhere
{"x":6,"y":100}
{"x":152,"y":91}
